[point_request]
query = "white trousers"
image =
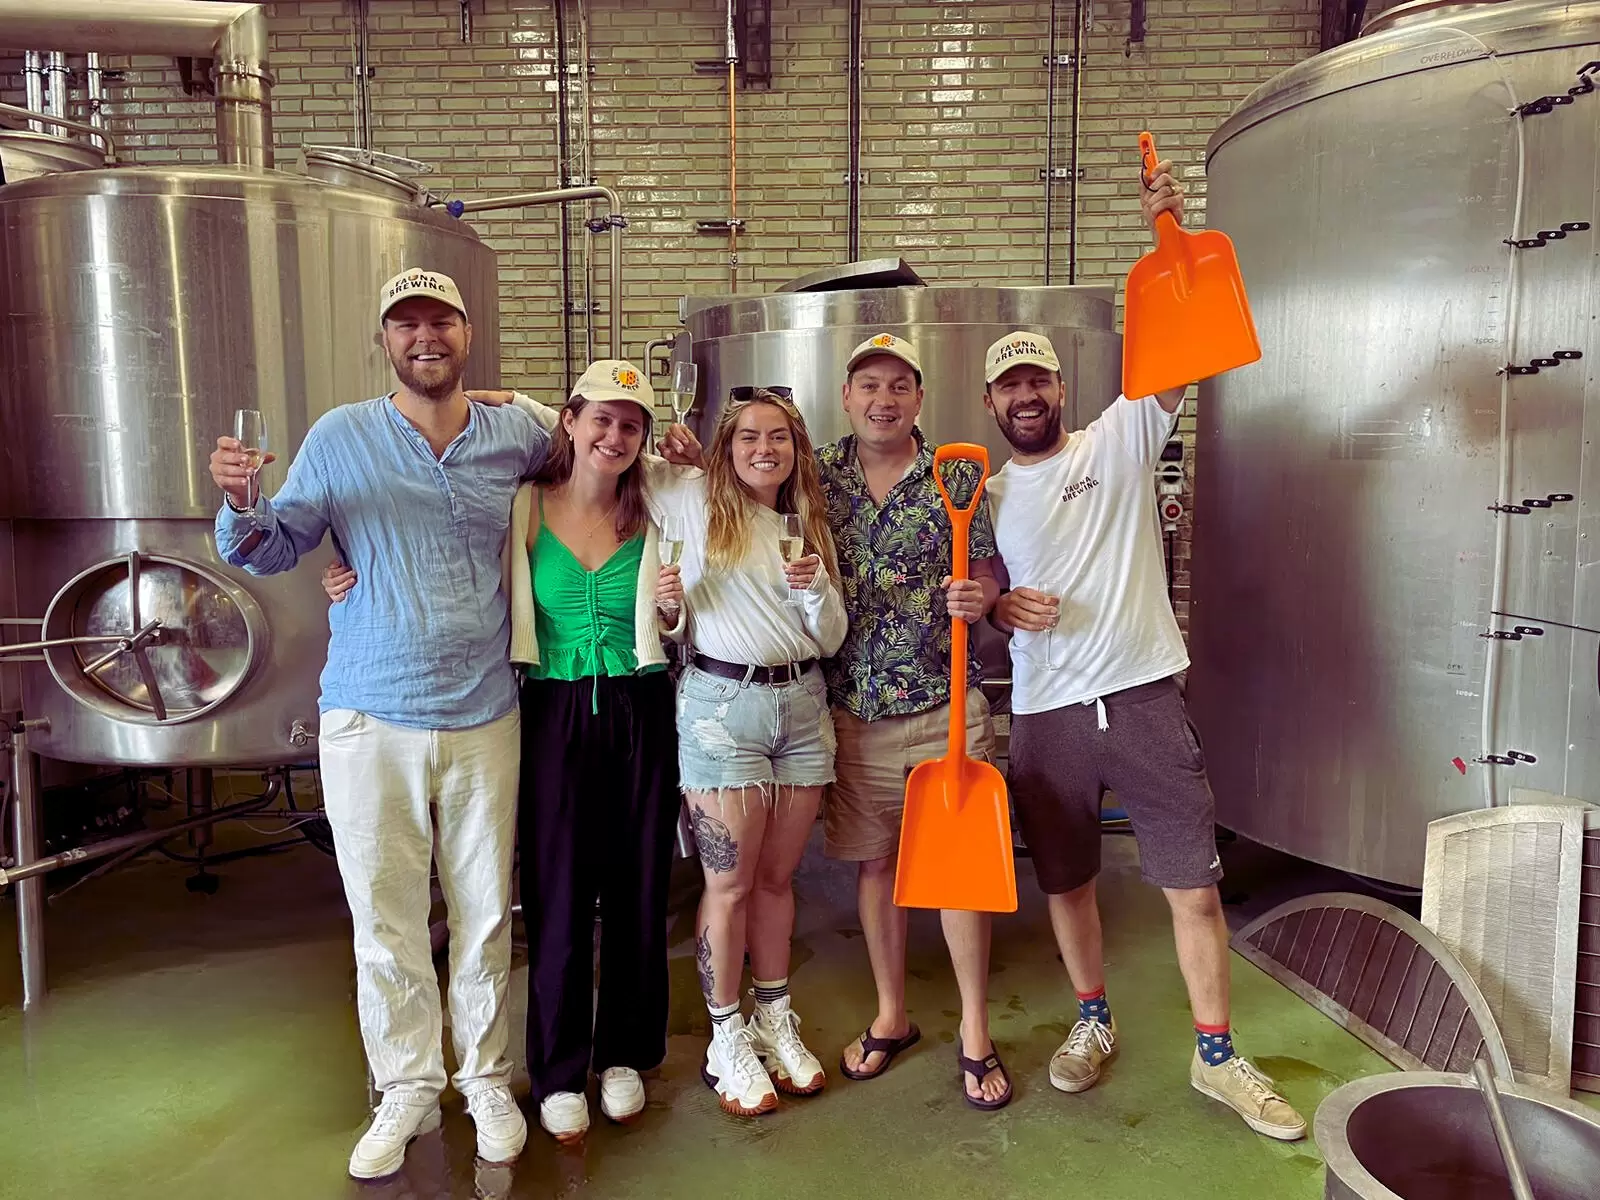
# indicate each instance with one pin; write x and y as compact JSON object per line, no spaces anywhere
{"x":396,"y":799}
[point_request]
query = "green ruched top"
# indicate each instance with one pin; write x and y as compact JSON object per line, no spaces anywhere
{"x":584,"y":619}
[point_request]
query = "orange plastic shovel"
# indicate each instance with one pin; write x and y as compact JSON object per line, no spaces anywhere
{"x":955,"y":837}
{"x":1185,"y":315}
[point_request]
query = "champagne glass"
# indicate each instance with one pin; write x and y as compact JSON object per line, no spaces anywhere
{"x":670,"y":545}
{"x":791,"y":547}
{"x":250,"y":428}
{"x":685,"y":385}
{"x":1049,"y":662}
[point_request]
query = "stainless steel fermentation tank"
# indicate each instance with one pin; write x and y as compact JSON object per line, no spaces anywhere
{"x":802,"y":336}
{"x":1357,"y":667}
{"x":141,"y":309}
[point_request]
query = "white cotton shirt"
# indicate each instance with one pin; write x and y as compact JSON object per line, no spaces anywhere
{"x":739,"y":615}
{"x":1082,"y":525}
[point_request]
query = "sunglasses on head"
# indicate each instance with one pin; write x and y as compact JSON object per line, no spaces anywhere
{"x":740,"y":394}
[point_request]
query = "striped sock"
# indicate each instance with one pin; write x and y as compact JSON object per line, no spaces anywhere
{"x":771,"y":992}
{"x":1093,"y":1006}
{"x":1215,"y":1043}
{"x":723,"y":1013}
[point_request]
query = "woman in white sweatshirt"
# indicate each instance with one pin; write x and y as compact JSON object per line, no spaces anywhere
{"x":755,"y":738}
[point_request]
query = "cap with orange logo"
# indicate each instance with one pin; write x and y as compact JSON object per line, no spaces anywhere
{"x":884,"y":343}
{"x":616,"y":379}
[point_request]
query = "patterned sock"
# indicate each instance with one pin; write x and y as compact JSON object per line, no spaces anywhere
{"x":771,"y":992}
{"x":1093,"y":1006}
{"x":722,"y":1013}
{"x":1215,"y":1042}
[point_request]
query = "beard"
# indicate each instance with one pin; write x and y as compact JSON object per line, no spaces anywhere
{"x":1033,"y":442}
{"x":435,"y":381}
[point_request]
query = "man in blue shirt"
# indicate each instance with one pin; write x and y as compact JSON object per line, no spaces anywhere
{"x":420,"y":727}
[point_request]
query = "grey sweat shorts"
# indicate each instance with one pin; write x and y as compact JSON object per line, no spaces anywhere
{"x":1062,"y":765}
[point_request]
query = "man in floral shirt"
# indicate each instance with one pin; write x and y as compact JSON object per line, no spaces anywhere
{"x":890,"y":685}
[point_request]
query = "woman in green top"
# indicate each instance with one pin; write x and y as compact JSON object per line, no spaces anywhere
{"x":599,"y":799}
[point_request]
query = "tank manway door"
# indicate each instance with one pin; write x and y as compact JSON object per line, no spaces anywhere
{"x":152,"y":640}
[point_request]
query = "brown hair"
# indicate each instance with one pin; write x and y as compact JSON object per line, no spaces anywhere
{"x":728,"y":531}
{"x":557,"y":469}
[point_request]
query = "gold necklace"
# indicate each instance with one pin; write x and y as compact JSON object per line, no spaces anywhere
{"x":566,"y":498}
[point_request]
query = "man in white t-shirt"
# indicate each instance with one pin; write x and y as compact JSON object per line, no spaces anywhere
{"x":1095,"y":705}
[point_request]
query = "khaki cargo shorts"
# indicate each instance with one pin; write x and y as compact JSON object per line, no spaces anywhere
{"x":861,"y":815}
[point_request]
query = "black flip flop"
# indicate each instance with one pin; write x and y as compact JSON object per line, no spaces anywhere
{"x":888,"y":1047}
{"x":978,"y":1068}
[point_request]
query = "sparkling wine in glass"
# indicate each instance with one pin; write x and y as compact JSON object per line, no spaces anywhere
{"x":685,"y":384}
{"x":791,"y":545}
{"x":250,"y":428}
{"x":671,"y":544}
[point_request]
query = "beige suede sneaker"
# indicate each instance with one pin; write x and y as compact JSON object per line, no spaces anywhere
{"x":1075,"y":1067}
{"x":1249,"y":1093}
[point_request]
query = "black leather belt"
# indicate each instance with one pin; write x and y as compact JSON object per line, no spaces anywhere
{"x":778,"y":676}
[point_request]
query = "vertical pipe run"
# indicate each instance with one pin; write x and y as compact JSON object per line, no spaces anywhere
{"x":853,"y":70}
{"x":363,"y":94}
{"x":30,"y":892}
{"x":1072,"y":166}
{"x":563,"y":181}
{"x":33,"y":83}
{"x":733,"y":186}
{"x":94,"y":86}
{"x":1049,"y":142}
{"x":56,"y":77}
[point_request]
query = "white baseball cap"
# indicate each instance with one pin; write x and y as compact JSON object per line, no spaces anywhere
{"x":616,"y":379}
{"x":1017,"y":349}
{"x":885,"y":343}
{"x":414,"y":281}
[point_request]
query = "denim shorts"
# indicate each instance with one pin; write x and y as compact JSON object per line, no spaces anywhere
{"x":733,"y":734}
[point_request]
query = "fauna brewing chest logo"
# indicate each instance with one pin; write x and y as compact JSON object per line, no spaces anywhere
{"x":1073,"y":490}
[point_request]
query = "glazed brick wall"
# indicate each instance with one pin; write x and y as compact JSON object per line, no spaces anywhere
{"x":954,"y":100}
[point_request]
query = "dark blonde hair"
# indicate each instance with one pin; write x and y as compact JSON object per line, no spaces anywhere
{"x":730,"y":501}
{"x":557,"y":469}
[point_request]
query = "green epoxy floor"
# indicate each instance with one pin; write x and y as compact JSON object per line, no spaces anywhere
{"x":200,"y":1046}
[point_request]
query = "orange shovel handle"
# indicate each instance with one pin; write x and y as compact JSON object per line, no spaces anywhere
{"x":1165,"y":222}
{"x":961,"y":525}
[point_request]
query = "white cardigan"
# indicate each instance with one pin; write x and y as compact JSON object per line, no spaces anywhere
{"x":516,"y":575}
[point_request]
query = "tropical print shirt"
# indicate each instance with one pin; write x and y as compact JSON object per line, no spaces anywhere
{"x":896,"y":658}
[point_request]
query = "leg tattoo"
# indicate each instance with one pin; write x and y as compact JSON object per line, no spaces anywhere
{"x":718,"y":851}
{"x":702,"y":959}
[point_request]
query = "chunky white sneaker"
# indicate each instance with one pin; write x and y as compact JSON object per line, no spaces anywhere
{"x":565,"y":1116}
{"x":621,"y":1094}
{"x":1075,"y":1066}
{"x":735,"y":1073}
{"x":1243,"y":1088}
{"x":382,"y":1148}
{"x":795,"y":1069}
{"x":502,"y":1129}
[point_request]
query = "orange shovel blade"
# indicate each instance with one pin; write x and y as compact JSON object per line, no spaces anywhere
{"x":955,"y":839}
{"x":1185,"y":316}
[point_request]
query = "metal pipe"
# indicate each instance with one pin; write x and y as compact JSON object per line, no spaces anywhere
{"x":33,"y":84}
{"x":362,"y":98}
{"x":56,"y":78}
{"x":1078,"y":18}
{"x":733,"y":185}
{"x":564,"y":177}
{"x":614,"y":218}
{"x":234,"y":35}
{"x":94,"y":90}
{"x":1521,"y":1189}
{"x":20,"y":875}
{"x":853,"y":69}
{"x":30,"y":893}
{"x":1049,"y":140}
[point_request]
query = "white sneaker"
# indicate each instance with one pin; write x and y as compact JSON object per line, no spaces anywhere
{"x":565,"y":1116}
{"x":733,"y":1071}
{"x":796,"y":1070}
{"x":502,"y":1129}
{"x":1075,"y":1066}
{"x":382,"y":1148}
{"x":621,"y":1094}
